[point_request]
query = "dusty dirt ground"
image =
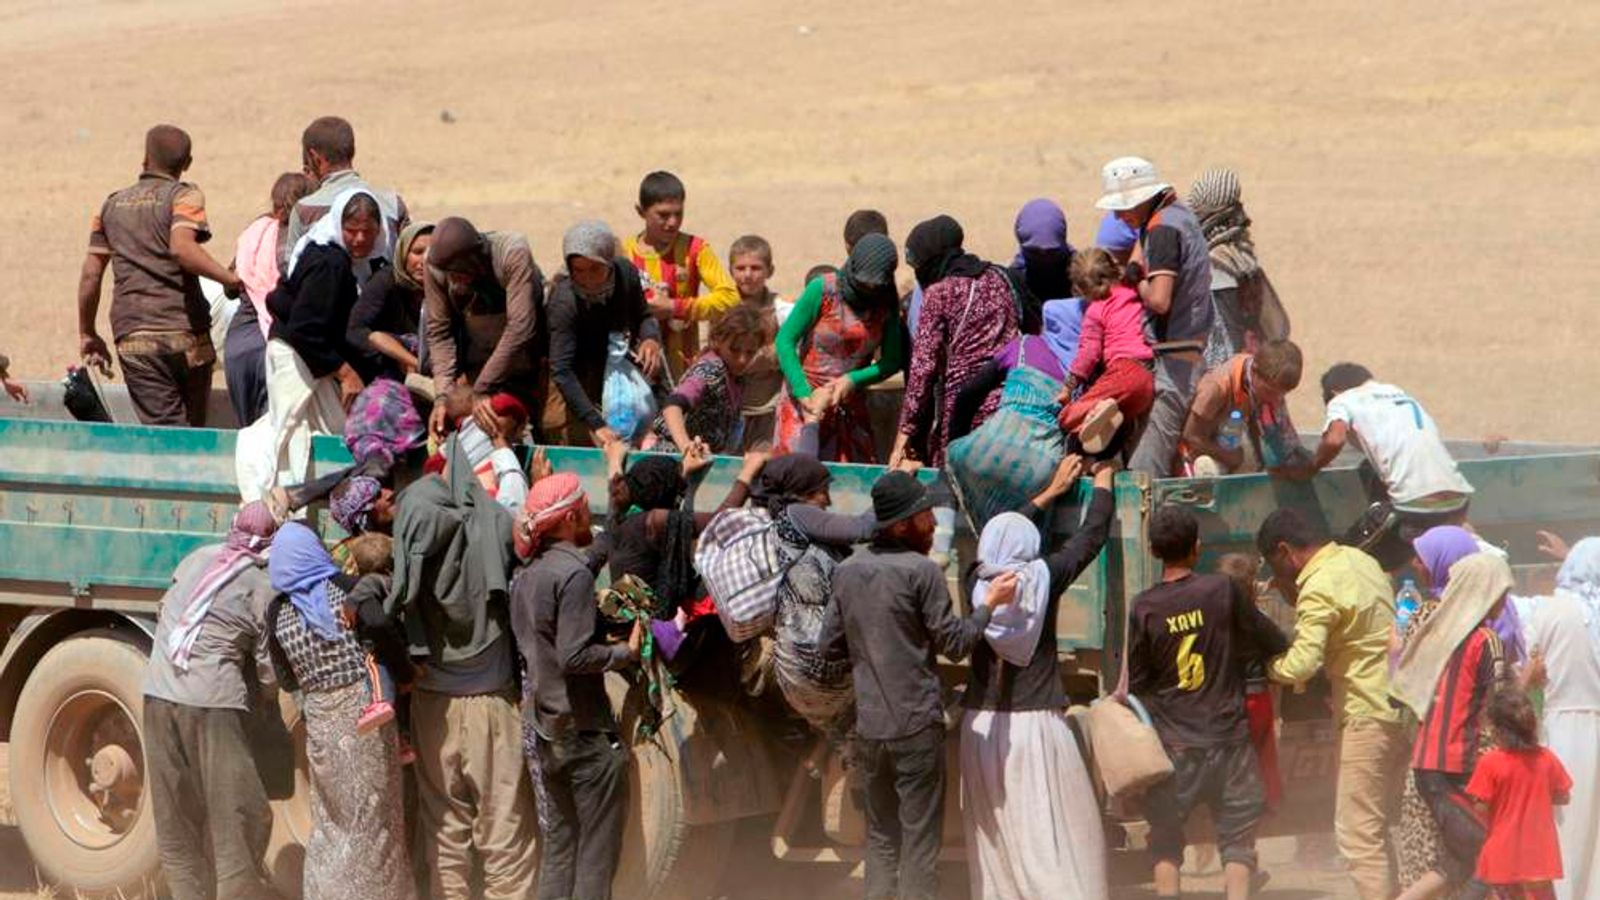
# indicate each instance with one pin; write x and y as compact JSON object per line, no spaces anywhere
{"x":1417,"y":171}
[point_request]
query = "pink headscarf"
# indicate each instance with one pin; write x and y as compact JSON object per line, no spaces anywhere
{"x":255,"y":259}
{"x":548,"y":500}
{"x":248,"y":539}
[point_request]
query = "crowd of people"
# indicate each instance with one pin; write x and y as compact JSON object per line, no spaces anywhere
{"x":459,"y":628}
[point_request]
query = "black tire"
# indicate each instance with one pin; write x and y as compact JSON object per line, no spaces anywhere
{"x":85,"y":693}
{"x":664,"y":857}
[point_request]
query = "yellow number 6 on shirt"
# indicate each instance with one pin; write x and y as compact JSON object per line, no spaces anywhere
{"x":1191,"y":666}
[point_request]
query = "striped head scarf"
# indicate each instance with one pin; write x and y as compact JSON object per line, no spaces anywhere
{"x":550,"y":498}
{"x":248,"y":539}
{"x":1215,"y":199}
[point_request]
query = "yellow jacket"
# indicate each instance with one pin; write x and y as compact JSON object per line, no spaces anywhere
{"x":1342,"y":623}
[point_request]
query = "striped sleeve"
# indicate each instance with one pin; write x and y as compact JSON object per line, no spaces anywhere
{"x":189,"y":211}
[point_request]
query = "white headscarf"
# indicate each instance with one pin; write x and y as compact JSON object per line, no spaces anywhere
{"x":1010,"y":543}
{"x":1580,"y":577}
{"x":330,"y":230}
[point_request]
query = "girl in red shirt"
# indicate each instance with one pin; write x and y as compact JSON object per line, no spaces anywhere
{"x":1519,"y":784}
{"x":1113,"y":342}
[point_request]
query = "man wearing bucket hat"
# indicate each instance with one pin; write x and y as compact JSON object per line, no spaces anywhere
{"x":893,"y":617}
{"x":1174,"y":264}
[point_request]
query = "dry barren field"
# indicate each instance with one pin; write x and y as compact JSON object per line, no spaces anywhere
{"x":1420,"y":173}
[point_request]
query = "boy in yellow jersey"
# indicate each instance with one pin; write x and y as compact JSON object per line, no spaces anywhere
{"x":673,"y":265}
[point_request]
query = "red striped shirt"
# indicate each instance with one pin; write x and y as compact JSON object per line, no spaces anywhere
{"x":1450,"y":735}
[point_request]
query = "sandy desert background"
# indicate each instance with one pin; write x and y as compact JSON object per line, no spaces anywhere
{"x":1421,"y":174}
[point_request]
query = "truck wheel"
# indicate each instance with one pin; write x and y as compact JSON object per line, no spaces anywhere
{"x":664,"y":857}
{"x":78,"y":768}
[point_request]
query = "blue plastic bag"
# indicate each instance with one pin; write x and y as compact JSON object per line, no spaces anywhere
{"x":626,"y":401}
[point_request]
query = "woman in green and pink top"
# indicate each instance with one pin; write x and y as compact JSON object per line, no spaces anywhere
{"x":843,"y":335}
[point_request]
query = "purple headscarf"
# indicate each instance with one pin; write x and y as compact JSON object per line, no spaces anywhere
{"x":352,"y":501}
{"x":1043,"y":254}
{"x":383,"y":423}
{"x":300,"y":567}
{"x":1115,"y":235}
{"x":1441,"y":548}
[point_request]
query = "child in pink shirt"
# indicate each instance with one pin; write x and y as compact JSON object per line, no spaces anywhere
{"x":1113,"y":341}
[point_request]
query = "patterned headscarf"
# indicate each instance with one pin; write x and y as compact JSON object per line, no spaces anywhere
{"x":246,"y":546}
{"x":383,"y":423}
{"x":351,"y":502}
{"x":548,"y":500}
{"x":1215,"y":199}
{"x":867,"y":279}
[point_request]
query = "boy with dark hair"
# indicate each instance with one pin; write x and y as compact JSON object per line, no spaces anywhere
{"x":150,"y":234}
{"x":1406,"y":452}
{"x":1344,"y":616}
{"x":1256,"y":386}
{"x":673,"y":265}
{"x":863,"y":222}
{"x":1187,"y":641}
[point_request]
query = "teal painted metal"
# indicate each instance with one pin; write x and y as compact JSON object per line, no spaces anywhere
{"x":94,"y":509}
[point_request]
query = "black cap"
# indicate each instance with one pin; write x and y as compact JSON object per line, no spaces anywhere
{"x":897,"y":496}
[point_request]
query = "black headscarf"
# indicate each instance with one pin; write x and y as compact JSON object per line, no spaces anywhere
{"x":786,"y":479}
{"x":867,"y":279}
{"x":656,"y":482}
{"x":933,"y":249}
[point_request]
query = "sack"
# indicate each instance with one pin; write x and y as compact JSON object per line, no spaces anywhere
{"x":742,"y":566}
{"x":625,"y":399}
{"x":815,"y":679}
{"x":78,"y":394}
{"x":1127,"y":751}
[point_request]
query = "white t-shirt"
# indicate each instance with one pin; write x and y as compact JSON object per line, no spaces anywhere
{"x":1401,"y":441}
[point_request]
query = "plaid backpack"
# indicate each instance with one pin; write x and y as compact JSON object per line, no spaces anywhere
{"x":742,"y":564}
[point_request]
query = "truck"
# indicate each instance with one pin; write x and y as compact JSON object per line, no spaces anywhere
{"x":94,"y":518}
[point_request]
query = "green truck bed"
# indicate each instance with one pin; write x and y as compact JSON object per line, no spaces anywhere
{"x":100,"y":515}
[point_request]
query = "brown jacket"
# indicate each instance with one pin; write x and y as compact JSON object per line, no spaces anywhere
{"x":490,"y":336}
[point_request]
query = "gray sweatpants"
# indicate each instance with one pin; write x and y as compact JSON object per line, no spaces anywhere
{"x":1177,"y":377}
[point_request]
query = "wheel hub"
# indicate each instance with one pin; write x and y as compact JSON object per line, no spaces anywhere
{"x":93,"y":774}
{"x":113,"y":776}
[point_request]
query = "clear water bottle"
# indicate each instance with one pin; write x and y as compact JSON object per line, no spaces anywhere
{"x":1231,"y":435}
{"x":1406,"y":604}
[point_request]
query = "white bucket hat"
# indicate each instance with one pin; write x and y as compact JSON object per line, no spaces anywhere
{"x":1129,"y":181}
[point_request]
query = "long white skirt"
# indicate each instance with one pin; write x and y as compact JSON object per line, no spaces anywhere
{"x":1032,"y":821}
{"x":1574,"y":737}
{"x":275,"y":450}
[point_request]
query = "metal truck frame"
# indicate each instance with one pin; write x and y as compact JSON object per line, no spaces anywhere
{"x":94,"y":518}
